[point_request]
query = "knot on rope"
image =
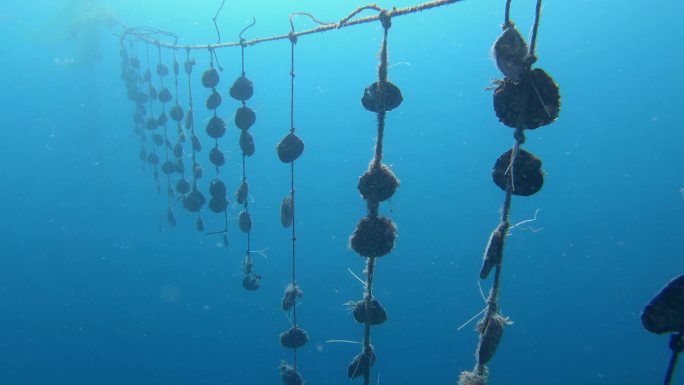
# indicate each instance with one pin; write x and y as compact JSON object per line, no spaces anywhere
{"x":292,"y":37}
{"x":386,"y":19}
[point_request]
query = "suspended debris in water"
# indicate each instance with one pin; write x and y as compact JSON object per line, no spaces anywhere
{"x":528,"y":177}
{"x":290,"y":148}
{"x":374,"y":236}
{"x":378,"y":183}
{"x":242,"y":89}
{"x":292,"y":294}
{"x":382,"y":94}
{"x":510,"y":52}
{"x":294,"y":338}
{"x":286,"y":211}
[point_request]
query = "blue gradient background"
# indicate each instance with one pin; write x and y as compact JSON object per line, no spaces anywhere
{"x":92,"y":293}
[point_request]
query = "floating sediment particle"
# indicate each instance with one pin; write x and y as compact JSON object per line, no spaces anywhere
{"x":373,"y":236}
{"x":381,"y":95}
{"x":294,"y":338}
{"x":532,"y":102}
{"x":290,"y":148}
{"x":287,"y":211}
{"x":210,"y":78}
{"x":378,"y":183}
{"x":246,"y":143}
{"x":361,"y":364}
{"x":376,"y":316}
{"x":245,"y":117}
{"x":245,"y":221}
{"x":510,"y":52}
{"x":242,"y":89}
{"x":528,"y":177}
{"x":292,"y":293}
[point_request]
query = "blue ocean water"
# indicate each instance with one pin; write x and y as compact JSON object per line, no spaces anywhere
{"x":96,"y":289}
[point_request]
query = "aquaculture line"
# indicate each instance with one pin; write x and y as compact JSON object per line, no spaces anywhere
{"x":525,"y":99}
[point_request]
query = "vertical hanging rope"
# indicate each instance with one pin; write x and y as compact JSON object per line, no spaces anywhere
{"x":151,"y":124}
{"x":242,"y":90}
{"x":289,"y":149}
{"x":526,"y":99}
{"x":374,"y":235}
{"x":193,"y":201}
{"x":176,"y":113}
{"x":168,"y":167}
{"x":216,"y":128}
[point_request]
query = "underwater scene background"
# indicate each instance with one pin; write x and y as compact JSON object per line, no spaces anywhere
{"x":96,"y":288}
